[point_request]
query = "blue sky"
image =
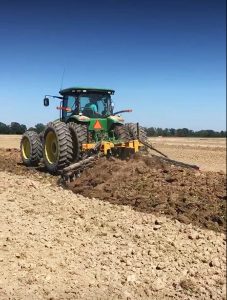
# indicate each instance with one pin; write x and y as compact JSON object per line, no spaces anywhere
{"x":165,"y":59}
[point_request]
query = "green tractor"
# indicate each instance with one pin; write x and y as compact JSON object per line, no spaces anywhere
{"x":87,"y":121}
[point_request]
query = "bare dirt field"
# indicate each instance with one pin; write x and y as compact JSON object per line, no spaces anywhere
{"x":142,"y":229}
{"x":208,"y":153}
{"x":10,"y":141}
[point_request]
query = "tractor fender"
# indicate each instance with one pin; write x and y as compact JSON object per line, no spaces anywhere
{"x":78,"y":119}
{"x":116,"y":120}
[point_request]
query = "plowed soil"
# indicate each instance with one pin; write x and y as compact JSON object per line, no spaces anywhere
{"x":147,"y":184}
{"x":10,"y":161}
{"x":132,"y":241}
{"x":150,"y":185}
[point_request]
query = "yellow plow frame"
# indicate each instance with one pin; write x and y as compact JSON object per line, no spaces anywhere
{"x":125,"y":150}
{"x":106,"y":147}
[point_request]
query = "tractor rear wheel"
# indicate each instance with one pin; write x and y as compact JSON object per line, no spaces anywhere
{"x":57,"y":146}
{"x":121,"y":133}
{"x":31,"y":148}
{"x":79,"y":136}
{"x":132,"y":128}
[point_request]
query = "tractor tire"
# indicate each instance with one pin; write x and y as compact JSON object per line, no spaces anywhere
{"x":132,"y":128}
{"x":57,"y":146}
{"x":121,"y":132}
{"x":31,"y":149}
{"x":41,"y":137}
{"x":79,"y":136}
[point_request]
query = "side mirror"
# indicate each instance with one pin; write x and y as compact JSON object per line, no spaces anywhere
{"x":46,"y":101}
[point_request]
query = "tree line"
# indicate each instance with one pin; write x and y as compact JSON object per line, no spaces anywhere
{"x":17,"y":128}
{"x":184,"y":132}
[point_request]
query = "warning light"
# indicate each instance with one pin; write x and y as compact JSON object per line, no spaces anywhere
{"x":97,"y":125}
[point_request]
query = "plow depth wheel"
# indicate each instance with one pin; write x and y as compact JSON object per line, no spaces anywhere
{"x":31,"y":148}
{"x":57,"y":149}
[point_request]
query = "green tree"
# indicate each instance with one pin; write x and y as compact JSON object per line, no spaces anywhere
{"x":223,"y":133}
{"x":39,"y":127}
{"x":4,"y":129}
{"x":150,"y":131}
{"x":159,"y":131}
{"x":183,"y":132}
{"x":16,"y":128}
{"x":31,"y":129}
{"x":166,"y":132}
{"x":172,"y":131}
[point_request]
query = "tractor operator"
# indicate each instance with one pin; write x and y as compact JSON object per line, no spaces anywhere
{"x":91,"y":108}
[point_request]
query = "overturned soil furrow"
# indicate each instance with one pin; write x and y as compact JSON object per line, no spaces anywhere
{"x":146,"y":184}
{"x":149,"y":185}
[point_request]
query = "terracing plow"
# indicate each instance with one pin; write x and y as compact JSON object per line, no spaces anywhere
{"x":119,"y":150}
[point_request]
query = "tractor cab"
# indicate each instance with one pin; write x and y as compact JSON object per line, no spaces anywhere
{"x":87,"y":125}
{"x":87,"y":102}
{"x":92,"y":107}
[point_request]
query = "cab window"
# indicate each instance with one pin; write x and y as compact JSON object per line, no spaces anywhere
{"x":93,"y":105}
{"x":70,"y":102}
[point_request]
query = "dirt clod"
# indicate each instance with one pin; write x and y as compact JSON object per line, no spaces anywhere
{"x":187,"y":284}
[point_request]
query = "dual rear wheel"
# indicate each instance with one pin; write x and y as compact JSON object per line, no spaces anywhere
{"x":31,"y":148}
{"x":58,"y":146}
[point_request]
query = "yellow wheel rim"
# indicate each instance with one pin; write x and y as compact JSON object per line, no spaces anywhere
{"x":26,"y":148}
{"x":51,"y":148}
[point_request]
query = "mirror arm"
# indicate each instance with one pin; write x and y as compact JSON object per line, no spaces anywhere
{"x":54,"y":96}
